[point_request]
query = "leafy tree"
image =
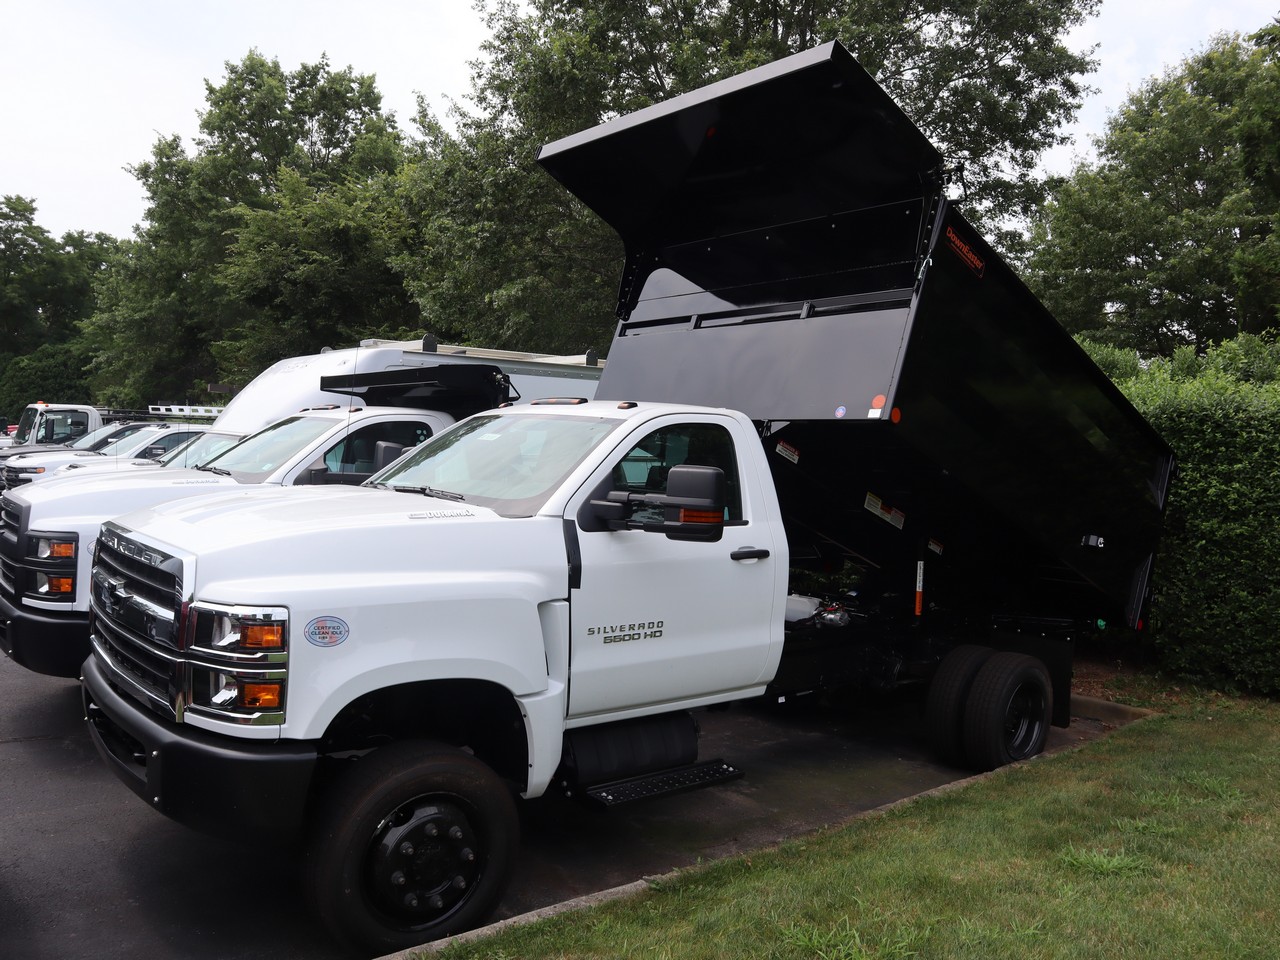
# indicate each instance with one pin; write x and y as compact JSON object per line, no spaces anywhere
{"x":46,"y":289}
{"x":512,"y":259}
{"x":315,"y":267}
{"x":174,"y":299}
{"x":52,"y":372}
{"x":1169,"y":239}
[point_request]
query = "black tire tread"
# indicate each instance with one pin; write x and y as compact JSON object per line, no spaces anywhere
{"x":989,"y":698}
{"x":948,"y":692}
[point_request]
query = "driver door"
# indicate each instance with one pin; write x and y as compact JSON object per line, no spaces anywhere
{"x":657,"y":622}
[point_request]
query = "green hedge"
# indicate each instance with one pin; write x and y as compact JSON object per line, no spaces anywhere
{"x":1216,"y":610}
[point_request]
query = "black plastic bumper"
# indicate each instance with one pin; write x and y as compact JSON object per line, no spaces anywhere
{"x":54,"y":644}
{"x":250,"y":790}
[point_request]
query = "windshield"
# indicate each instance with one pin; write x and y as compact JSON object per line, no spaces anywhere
{"x":510,"y":464}
{"x":255,"y":458}
{"x":22,"y":434}
{"x":199,"y":450}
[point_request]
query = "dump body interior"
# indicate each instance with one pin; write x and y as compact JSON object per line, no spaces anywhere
{"x":791,"y":253}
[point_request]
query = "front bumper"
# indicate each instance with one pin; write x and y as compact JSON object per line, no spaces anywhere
{"x":248,"y":790}
{"x":54,"y":644}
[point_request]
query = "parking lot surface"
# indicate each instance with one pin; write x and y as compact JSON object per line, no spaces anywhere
{"x":87,"y":870}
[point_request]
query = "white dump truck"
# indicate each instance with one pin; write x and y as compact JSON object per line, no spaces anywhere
{"x":819,"y":368}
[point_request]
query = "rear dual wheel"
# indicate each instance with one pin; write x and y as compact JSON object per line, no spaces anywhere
{"x":989,"y":708}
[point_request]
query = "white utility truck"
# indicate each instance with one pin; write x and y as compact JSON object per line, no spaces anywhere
{"x":819,"y":367}
{"x":154,"y":438}
{"x":376,"y":400}
{"x":50,"y":425}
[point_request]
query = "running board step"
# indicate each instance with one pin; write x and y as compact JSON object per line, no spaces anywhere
{"x":664,"y":782}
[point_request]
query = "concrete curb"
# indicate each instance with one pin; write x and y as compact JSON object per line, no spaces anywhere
{"x":632,"y":889}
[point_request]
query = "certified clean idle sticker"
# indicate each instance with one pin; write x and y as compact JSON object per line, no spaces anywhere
{"x":326,"y":631}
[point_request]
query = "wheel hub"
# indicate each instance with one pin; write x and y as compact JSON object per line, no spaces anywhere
{"x":423,"y":861}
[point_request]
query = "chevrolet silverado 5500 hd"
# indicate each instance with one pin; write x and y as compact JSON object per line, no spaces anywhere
{"x":819,"y":366}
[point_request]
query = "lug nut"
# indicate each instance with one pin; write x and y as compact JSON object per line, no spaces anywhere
{"x":398,"y":878}
{"x":411,"y":901}
{"x":459,"y":883}
{"x":432,"y":830}
{"x":406,"y":849}
{"x":455,"y":833}
{"x":436,"y":902}
{"x":468,"y":855}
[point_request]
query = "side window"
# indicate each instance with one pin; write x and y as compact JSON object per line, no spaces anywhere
{"x":645,"y":466}
{"x":167,"y":441}
{"x":355,"y":452}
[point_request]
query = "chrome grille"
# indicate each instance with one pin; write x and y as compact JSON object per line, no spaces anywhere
{"x":7,"y":569}
{"x":136,"y":599}
{"x":9,"y":517}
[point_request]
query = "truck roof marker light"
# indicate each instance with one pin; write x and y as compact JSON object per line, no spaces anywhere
{"x":554,"y":401}
{"x":895,"y":415}
{"x":628,"y":405}
{"x":878,"y":401}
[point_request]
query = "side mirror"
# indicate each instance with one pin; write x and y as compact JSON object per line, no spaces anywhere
{"x":385,"y":452}
{"x":154,"y":452}
{"x":693,"y":506}
{"x":314,"y":475}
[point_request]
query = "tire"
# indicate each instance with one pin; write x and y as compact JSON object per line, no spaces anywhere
{"x":1007,"y":716}
{"x":948,"y":693}
{"x":412,"y":844}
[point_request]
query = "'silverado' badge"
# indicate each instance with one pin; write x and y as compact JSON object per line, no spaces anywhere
{"x":326,"y":631}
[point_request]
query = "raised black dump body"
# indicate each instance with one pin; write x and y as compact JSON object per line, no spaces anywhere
{"x":790,"y":252}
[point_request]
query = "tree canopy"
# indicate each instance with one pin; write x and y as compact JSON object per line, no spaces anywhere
{"x":990,"y":81}
{"x":1169,"y":239}
{"x":46,"y":290}
{"x":259,"y":242}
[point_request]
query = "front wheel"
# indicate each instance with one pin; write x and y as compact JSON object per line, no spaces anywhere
{"x":1006,"y":717}
{"x":414,"y":843}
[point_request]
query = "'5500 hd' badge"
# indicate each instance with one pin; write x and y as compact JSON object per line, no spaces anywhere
{"x":326,"y":631}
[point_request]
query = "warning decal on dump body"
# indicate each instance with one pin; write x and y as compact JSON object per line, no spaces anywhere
{"x":886,"y":513}
{"x":326,"y":631}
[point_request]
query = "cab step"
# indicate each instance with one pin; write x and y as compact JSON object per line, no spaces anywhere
{"x":664,"y":782}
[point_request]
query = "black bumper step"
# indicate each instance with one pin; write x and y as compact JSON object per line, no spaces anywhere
{"x":664,"y":782}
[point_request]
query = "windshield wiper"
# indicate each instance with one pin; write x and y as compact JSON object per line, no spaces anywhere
{"x":430,"y":492}
{"x":220,"y":471}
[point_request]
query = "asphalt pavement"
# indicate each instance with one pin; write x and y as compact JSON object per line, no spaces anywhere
{"x":88,"y":870}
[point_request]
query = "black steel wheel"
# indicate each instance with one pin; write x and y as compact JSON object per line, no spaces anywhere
{"x":1007,"y":714}
{"x":412,"y":844}
{"x":948,"y":693}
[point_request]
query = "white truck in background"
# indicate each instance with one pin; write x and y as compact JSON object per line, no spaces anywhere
{"x":44,"y":425}
{"x":154,"y":439}
{"x":349,"y":412}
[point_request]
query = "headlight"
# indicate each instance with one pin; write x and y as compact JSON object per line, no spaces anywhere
{"x":240,"y":629}
{"x":54,"y":548}
{"x":55,"y":586}
{"x":239,"y":662}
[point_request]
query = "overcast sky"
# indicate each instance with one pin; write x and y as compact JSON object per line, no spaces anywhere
{"x":87,"y":86}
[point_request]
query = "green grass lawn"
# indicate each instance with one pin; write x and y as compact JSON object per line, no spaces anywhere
{"x":1158,"y":841}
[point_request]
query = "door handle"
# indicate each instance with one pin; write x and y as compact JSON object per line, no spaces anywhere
{"x":749,"y":553}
